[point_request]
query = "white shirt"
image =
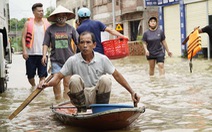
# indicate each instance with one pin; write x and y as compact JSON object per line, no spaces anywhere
{"x":37,"y":45}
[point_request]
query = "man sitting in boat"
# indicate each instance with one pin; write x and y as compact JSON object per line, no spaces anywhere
{"x":89,"y":82}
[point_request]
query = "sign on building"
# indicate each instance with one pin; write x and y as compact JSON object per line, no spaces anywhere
{"x":151,"y":2}
{"x":159,"y":2}
{"x":167,"y":2}
{"x":119,"y":27}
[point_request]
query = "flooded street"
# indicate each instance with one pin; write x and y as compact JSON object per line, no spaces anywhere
{"x":180,"y":101}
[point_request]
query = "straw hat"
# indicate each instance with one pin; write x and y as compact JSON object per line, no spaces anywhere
{"x":58,"y":10}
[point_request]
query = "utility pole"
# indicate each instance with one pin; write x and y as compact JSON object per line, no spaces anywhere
{"x":16,"y":41}
{"x":114,"y":17}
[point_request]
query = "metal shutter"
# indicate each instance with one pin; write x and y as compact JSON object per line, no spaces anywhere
{"x":172,"y":28}
{"x":197,"y":15}
{"x":210,"y":7}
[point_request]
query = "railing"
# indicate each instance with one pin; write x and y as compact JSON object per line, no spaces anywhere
{"x":136,"y":48}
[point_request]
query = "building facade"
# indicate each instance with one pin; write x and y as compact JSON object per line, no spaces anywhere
{"x":131,"y":15}
{"x":4,"y":14}
{"x":178,"y":20}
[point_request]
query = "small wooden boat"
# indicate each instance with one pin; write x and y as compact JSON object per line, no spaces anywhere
{"x":107,"y":120}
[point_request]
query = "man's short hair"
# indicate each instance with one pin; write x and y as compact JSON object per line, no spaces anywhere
{"x":36,"y":5}
{"x":87,"y":32}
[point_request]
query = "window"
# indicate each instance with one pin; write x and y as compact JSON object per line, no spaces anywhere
{"x":4,"y":12}
{"x":134,"y":30}
{"x":117,"y":2}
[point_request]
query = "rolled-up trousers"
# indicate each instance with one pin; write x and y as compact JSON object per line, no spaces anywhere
{"x":103,"y":86}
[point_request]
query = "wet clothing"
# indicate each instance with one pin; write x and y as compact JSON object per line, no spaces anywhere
{"x":96,"y":27}
{"x":157,"y":58}
{"x":154,"y":40}
{"x":89,"y":72}
{"x":102,"y":87}
{"x":36,"y":48}
{"x":59,"y":39}
{"x":30,"y":31}
{"x":89,"y":82}
{"x":33,"y":63}
{"x":55,"y":68}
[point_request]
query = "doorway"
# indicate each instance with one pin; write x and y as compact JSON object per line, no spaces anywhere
{"x":134,"y":30}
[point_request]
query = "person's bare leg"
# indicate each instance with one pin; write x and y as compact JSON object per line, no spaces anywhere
{"x":151,"y":67}
{"x":57,"y":91}
{"x":32,"y":82}
{"x":41,"y":79}
{"x":66,"y":87}
{"x":161,"y":69}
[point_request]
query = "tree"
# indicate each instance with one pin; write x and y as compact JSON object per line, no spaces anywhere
{"x":16,"y":25}
{"x":49,"y":10}
{"x":21,"y":23}
{"x":13,"y":23}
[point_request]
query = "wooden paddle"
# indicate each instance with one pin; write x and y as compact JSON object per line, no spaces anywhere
{"x":135,"y":104}
{"x":62,"y":107}
{"x":28,"y":100}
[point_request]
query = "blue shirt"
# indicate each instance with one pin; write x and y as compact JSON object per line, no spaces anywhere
{"x":96,"y":27}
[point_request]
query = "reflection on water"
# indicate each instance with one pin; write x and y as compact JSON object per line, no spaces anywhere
{"x":180,"y":101}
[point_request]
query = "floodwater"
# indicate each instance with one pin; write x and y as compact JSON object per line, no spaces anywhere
{"x":180,"y":101}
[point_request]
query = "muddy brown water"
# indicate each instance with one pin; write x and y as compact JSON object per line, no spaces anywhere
{"x":180,"y":101}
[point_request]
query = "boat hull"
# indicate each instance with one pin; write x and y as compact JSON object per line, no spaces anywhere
{"x":107,"y":120}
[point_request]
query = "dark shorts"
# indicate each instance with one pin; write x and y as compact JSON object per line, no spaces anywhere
{"x":157,"y":58}
{"x":34,"y":64}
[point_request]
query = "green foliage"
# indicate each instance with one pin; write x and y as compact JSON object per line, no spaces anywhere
{"x":49,"y":10}
{"x":139,"y":37}
{"x":15,"y":24}
{"x":16,"y":44}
